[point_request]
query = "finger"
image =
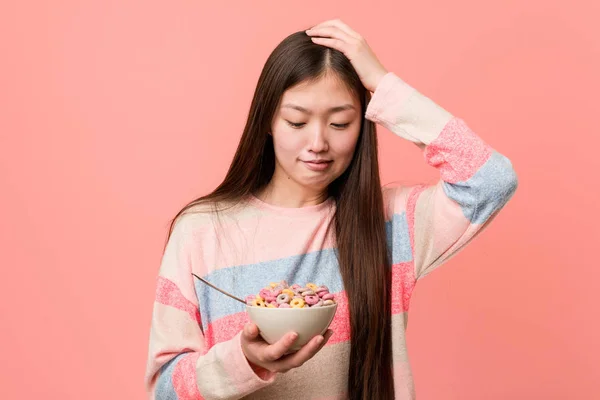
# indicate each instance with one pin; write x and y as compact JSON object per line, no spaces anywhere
{"x":339,"y":24}
{"x":333,"y":43}
{"x":332,"y":32}
{"x":343,"y":26}
{"x":326,"y":338}
{"x":277,"y":350}
{"x":328,"y":334}
{"x":304,"y":354}
{"x":250,"y":331}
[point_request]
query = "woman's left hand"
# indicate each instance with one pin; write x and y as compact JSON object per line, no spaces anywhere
{"x":339,"y":36}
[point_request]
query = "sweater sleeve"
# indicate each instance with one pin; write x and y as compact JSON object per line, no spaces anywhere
{"x":475,"y":181}
{"x":179,"y":365}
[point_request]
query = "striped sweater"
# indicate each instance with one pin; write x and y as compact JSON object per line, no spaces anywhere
{"x":194,"y":346}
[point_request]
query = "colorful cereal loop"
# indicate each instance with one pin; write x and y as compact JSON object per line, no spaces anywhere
{"x":297,"y":303}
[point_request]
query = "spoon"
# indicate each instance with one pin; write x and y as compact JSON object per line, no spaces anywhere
{"x":220,"y":290}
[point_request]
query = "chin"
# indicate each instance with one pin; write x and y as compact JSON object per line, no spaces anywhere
{"x":318,"y":184}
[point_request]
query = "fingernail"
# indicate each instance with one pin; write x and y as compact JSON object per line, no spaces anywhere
{"x":294,"y":336}
{"x":320,"y":340}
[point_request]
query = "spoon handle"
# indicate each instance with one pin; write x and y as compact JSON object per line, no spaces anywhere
{"x":220,"y":290}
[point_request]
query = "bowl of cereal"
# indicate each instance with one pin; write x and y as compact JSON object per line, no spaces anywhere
{"x":278,"y":309}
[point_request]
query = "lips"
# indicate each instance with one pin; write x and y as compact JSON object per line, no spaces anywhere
{"x":318,"y":165}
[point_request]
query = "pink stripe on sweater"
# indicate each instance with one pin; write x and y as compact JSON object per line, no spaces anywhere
{"x":184,"y":378}
{"x":224,"y":329}
{"x":403,"y":283}
{"x":341,"y":321}
{"x":457,"y":152}
{"x":168,"y":293}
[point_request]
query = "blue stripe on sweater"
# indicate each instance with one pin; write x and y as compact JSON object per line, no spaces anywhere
{"x":398,"y":239}
{"x":485,"y":192}
{"x":164,"y":386}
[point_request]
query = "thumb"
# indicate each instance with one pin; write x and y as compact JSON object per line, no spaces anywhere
{"x":250,"y":331}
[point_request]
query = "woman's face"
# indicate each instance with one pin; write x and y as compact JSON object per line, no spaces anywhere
{"x":315,"y":130}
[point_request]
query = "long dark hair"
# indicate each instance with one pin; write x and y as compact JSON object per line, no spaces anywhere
{"x":359,"y":217}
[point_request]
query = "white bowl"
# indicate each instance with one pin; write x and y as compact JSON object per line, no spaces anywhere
{"x":274,"y":323}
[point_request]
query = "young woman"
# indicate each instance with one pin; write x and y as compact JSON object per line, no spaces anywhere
{"x":302,"y":202}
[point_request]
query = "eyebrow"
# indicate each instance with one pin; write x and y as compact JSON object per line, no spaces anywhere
{"x":331,"y":110}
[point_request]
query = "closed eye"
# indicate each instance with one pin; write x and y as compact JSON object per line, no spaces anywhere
{"x":298,"y":125}
{"x":295,"y":124}
{"x":341,"y":126}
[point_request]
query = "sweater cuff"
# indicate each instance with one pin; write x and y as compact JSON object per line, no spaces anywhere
{"x":248,"y":380}
{"x":404,"y":111}
{"x":391,"y":88}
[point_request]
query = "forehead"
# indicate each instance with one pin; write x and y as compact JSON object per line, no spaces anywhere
{"x":324,"y":93}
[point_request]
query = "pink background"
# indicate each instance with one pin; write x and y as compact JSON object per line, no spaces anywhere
{"x":114,"y":114}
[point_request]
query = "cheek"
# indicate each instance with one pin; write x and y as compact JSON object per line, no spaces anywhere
{"x":287,"y":145}
{"x":345,"y":145}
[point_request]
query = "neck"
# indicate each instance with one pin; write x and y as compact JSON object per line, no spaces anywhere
{"x":290,"y":196}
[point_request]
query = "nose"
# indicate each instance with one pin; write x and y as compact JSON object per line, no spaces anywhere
{"x":318,"y":140}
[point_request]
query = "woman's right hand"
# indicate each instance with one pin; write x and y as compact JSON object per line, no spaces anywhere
{"x":271,"y":356}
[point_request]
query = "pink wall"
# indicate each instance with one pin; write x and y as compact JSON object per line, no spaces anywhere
{"x":113,"y":115}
